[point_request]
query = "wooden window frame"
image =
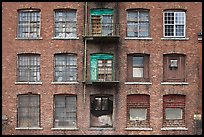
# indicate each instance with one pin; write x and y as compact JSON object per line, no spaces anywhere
{"x":130,"y":77}
{"x":29,"y":108}
{"x":174,"y":74}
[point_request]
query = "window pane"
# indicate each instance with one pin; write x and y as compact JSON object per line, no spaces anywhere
{"x":173,"y":113}
{"x":138,"y":113}
{"x":97,"y":103}
{"x":169,"y":30}
{"x":179,"y":30}
{"x":138,"y":72}
{"x":144,"y":29}
{"x":138,"y":61}
{"x":180,"y":17}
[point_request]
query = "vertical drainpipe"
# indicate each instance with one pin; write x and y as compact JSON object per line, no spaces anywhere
{"x":85,"y":41}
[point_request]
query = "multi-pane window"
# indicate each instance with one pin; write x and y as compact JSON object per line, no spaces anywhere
{"x":104,"y":70}
{"x":101,"y":111}
{"x":174,"y":67}
{"x":28,"y":68}
{"x":65,"y":67}
{"x":138,"y":110}
{"x":65,"y":24}
{"x":138,"y":67}
{"x":174,"y":23}
{"x":28,"y":23}
{"x":101,"y":67}
{"x":174,"y":110}
{"x":102,"y":22}
{"x":28,"y":110}
{"x":65,"y":113}
{"x":137,"y":23}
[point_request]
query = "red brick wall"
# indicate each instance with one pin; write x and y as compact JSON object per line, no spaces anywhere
{"x":47,"y":47}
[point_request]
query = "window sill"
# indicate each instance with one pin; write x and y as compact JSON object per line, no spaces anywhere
{"x":71,"y":38}
{"x":174,"y":83}
{"x":176,"y":38}
{"x":174,"y":128}
{"x":29,"y":83}
{"x":28,"y":128}
{"x":40,"y":38}
{"x":64,"y":128}
{"x":138,"y":38}
{"x":137,"y":128}
{"x":199,"y":39}
{"x":64,"y":83}
{"x":92,"y":128}
{"x":138,"y":83}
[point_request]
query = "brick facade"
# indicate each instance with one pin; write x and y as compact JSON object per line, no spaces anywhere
{"x":119,"y":47}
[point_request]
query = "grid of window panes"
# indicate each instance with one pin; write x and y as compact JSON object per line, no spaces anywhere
{"x":28,"y":68}
{"x":28,"y":110}
{"x":65,"y":24}
{"x":138,"y":67}
{"x":29,"y":24}
{"x":65,"y":111}
{"x":65,"y":67}
{"x":105,"y":70}
{"x":101,"y":103}
{"x":138,"y":23}
{"x":174,"y":24}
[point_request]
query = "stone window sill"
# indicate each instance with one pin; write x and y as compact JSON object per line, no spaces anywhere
{"x":64,"y":128}
{"x":40,"y":38}
{"x":64,"y":83}
{"x":71,"y":38}
{"x":174,"y":128}
{"x":174,"y":83}
{"x":138,"y":83}
{"x":138,"y":38}
{"x":134,"y":128}
{"x":28,"y":128}
{"x":176,"y":38}
{"x":92,"y":128}
{"x":28,"y":83}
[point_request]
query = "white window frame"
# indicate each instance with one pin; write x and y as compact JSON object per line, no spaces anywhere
{"x":174,"y":36}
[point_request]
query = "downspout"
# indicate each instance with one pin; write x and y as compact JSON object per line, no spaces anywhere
{"x":85,"y":41}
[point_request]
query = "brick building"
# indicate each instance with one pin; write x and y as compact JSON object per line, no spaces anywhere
{"x":101,"y":67}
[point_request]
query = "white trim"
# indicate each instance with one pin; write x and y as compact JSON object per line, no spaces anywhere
{"x":93,"y":128}
{"x":27,"y":38}
{"x":30,"y":83}
{"x":74,"y":128}
{"x":64,"y":82}
{"x":138,"y":38}
{"x":138,"y":83}
{"x":137,"y":128}
{"x":174,"y":128}
{"x":199,"y":38}
{"x":174,"y":83}
{"x":29,"y":128}
{"x":174,"y":38}
{"x":68,"y":38}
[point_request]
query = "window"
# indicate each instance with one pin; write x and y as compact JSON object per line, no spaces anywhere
{"x":28,"y":110}
{"x":174,"y":23}
{"x":65,"y":24}
{"x":138,"y":67}
{"x":138,"y":111}
{"x":174,"y":110}
{"x":28,"y":68}
{"x":65,"y":67}
{"x":101,"y":110}
{"x":29,"y":23}
{"x":101,"y":22}
{"x":101,"y":67}
{"x":138,"y":23}
{"x":65,"y":111}
{"x":174,"y":67}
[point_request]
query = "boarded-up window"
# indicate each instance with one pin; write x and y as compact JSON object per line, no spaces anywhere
{"x":28,"y":110}
{"x":138,"y":23}
{"x":102,"y":22}
{"x":29,"y":23}
{"x":101,"y":67}
{"x":65,"y":67}
{"x":28,"y":68}
{"x":174,"y":110}
{"x":101,"y":111}
{"x":65,"y":111}
{"x":65,"y":23}
{"x":138,"y":67}
{"x":174,"y":67}
{"x":138,"y":111}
